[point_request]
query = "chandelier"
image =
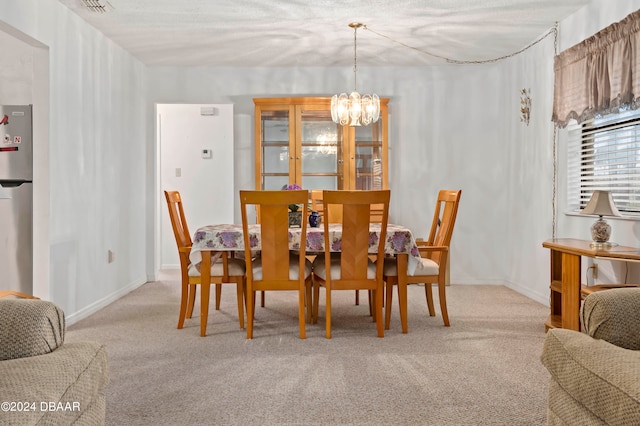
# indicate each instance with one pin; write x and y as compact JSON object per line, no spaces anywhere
{"x":354,"y":109}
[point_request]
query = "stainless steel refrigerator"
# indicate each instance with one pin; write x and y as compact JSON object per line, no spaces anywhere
{"x":16,"y":198}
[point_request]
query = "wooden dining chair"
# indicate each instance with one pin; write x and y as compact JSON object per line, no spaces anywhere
{"x":336,"y":217}
{"x":352,"y":268}
{"x":224,"y":269}
{"x":276,"y":268}
{"x":433,"y":263}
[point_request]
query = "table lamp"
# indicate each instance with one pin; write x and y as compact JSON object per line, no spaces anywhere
{"x":601,"y":204}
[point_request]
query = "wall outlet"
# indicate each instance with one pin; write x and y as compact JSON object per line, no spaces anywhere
{"x":594,"y":271}
{"x":111,"y":256}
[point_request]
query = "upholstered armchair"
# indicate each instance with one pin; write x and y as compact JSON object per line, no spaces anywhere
{"x":595,"y":374}
{"x":43,"y":380}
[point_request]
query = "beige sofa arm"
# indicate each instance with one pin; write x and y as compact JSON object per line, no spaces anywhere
{"x":613,"y":315}
{"x":73,"y":377}
{"x":601,"y":380}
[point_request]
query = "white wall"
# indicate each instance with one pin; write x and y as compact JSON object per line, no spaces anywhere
{"x":97,"y":143}
{"x":184,"y":133}
{"x":430,"y":149}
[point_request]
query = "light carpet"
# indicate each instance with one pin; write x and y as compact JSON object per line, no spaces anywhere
{"x":483,"y":370}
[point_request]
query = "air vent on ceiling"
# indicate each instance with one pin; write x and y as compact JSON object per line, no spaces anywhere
{"x":97,"y":6}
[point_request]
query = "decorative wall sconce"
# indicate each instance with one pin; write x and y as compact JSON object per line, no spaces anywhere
{"x":525,"y":106}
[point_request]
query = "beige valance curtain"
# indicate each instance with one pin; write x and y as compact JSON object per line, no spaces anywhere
{"x":599,"y":75}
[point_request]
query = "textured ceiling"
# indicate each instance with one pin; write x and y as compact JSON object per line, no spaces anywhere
{"x":298,"y":33}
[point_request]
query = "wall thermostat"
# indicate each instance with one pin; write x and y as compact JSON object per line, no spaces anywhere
{"x":206,"y":153}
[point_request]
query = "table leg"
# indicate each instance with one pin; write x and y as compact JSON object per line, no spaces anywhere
{"x":205,"y":282}
{"x":571,"y":291}
{"x":402,"y":259}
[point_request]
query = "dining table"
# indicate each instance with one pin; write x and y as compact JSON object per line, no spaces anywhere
{"x":219,"y":238}
{"x":229,"y":237}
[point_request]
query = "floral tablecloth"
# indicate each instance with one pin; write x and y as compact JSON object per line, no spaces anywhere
{"x":228,"y":237}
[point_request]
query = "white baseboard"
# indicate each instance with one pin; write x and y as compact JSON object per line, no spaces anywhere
{"x":170,"y":266}
{"x":538,"y":297}
{"x":106,"y":301}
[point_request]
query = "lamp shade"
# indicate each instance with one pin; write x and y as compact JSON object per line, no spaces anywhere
{"x":601,"y":204}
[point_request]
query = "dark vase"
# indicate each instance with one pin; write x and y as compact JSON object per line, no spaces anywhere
{"x":314,"y":219}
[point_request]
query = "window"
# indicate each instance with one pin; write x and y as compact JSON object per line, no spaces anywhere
{"x":604,"y":153}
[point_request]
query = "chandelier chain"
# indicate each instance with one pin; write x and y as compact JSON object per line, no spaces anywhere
{"x":355,"y":59}
{"x":554,"y":196}
{"x":551,"y":31}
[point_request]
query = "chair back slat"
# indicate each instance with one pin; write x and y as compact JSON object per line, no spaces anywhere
{"x":275,"y":242}
{"x":178,"y":219}
{"x":355,"y":241}
{"x":444,"y":219}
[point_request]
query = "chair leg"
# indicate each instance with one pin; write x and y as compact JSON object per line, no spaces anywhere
{"x":429,"y":294}
{"x":301,"y":315}
{"x":402,"y":269}
{"x":251,"y":303}
{"x":377,"y":296}
{"x":183,"y":305}
{"x":443,"y":303}
{"x":240,"y":297}
{"x":327,"y":312}
{"x":402,"y":302}
{"x":357,"y":297}
{"x":204,"y":308}
{"x":388,"y":286}
{"x":316,"y":300}
{"x":309,"y":300}
{"x":192,"y":299}
{"x":218,"y":296}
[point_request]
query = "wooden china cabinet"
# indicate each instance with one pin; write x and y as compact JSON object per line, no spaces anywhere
{"x":296,"y":141}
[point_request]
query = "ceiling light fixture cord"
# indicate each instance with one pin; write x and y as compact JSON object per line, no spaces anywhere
{"x":553,"y":30}
{"x":554,"y":196}
{"x":355,"y":59}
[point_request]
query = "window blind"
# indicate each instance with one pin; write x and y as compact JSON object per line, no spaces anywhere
{"x":604,"y":154}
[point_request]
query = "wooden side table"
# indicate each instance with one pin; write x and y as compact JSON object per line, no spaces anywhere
{"x":566,"y":255}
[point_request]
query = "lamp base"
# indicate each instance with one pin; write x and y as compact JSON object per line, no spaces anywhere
{"x":600,"y":231}
{"x":602,"y":246}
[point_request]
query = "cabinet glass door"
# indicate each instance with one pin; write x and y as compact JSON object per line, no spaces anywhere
{"x":275,"y":149}
{"x":369,"y":157}
{"x":296,"y":141}
{"x":321,"y":154}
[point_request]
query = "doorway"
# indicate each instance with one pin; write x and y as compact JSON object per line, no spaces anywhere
{"x":195,"y":157}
